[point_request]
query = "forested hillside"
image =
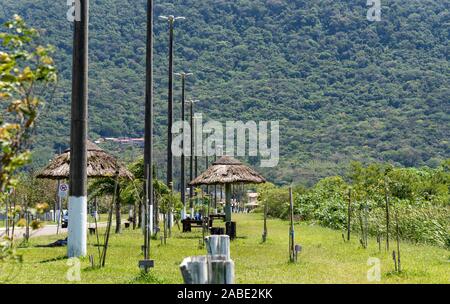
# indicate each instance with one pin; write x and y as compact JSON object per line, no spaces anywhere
{"x":343,"y":88}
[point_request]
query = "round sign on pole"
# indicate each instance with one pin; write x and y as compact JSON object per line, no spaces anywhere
{"x":63,"y":190}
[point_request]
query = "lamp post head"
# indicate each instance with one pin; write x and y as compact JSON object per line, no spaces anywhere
{"x":184,"y":74}
{"x":171,"y":18}
{"x":193,"y":101}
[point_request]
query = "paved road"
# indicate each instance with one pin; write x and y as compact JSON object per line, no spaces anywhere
{"x":47,"y":230}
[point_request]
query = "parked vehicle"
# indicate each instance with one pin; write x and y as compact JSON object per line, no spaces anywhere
{"x":65,"y":220}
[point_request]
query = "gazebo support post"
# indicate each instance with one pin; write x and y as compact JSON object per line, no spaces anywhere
{"x":228,"y":202}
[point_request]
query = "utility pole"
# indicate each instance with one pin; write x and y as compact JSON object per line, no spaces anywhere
{"x":196,"y":154}
{"x":196,"y":150}
{"x":207,"y":163}
{"x":215,"y":186}
{"x":193,"y":152}
{"x":183,"y":156}
{"x":171,"y":19}
{"x":76,"y":244}
{"x":148,"y":145}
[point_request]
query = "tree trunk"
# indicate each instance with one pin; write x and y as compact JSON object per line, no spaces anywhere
{"x":134,"y":217}
{"x":13,"y":222}
{"x":140,"y":215}
{"x":156,"y":212}
{"x":265,"y":222}
{"x":349,"y":215}
{"x":118,"y":212}
{"x":387,"y":220}
{"x":27,"y":224}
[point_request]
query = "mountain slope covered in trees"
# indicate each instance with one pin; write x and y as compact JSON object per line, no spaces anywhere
{"x":343,"y":88}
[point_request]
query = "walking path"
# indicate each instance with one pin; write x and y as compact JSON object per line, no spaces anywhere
{"x":47,"y":230}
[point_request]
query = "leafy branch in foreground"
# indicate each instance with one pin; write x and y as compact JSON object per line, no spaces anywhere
{"x":27,"y":73}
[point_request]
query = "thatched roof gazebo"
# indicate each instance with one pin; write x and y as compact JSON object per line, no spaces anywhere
{"x":227,"y":171}
{"x":99,"y":164}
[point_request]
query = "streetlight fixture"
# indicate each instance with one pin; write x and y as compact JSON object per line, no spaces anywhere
{"x":171,"y":19}
{"x":193,"y":155}
{"x":183,"y":76}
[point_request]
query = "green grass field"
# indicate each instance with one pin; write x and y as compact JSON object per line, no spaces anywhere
{"x":325,"y":258}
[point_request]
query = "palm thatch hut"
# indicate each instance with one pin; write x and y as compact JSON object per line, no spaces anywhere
{"x":227,"y":171}
{"x":99,"y":164}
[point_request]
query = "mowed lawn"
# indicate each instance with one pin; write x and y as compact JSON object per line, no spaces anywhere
{"x":325,"y":258}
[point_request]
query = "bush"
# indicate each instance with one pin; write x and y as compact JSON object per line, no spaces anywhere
{"x":422,"y":218}
{"x":22,"y":222}
{"x":36,"y":224}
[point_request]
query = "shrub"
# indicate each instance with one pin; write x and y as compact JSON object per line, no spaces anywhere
{"x":36,"y":224}
{"x":22,"y":222}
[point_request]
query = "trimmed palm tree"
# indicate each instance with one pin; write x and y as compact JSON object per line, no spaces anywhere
{"x":106,"y":187}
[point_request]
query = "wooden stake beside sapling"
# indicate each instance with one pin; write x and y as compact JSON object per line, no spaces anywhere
{"x":349,"y":214}
{"x":379,"y":241}
{"x":387,"y":215}
{"x":395,"y":260}
{"x":366,"y":225}
{"x":169,"y":211}
{"x":27,"y":223}
{"x":165,"y":228}
{"x":204,"y":218}
{"x":264,"y":236}
{"x":361,"y":239}
{"x":108,"y":227}
{"x":291,"y":228}
{"x":398,"y":242}
{"x":13,"y":220}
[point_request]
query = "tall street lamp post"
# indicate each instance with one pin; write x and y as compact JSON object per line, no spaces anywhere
{"x":171,"y":19}
{"x":208,"y":131}
{"x":183,"y":76}
{"x":193,"y":153}
{"x":148,"y":145}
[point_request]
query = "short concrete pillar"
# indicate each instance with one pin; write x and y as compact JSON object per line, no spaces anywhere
{"x":215,"y":268}
{"x":218,"y":245}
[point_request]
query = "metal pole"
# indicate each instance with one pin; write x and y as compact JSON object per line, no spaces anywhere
{"x":193,"y":155}
{"x":148,"y":145}
{"x":170,"y":106}
{"x":191,"y":191}
{"x":78,"y":162}
{"x":196,"y":157}
{"x":206,"y":168}
{"x":183,"y":156}
{"x":196,"y":154}
{"x":215,"y":188}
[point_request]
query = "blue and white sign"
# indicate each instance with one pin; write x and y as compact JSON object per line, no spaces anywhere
{"x":63,"y":190}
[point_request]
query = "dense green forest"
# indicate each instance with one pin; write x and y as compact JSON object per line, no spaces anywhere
{"x":343,"y":88}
